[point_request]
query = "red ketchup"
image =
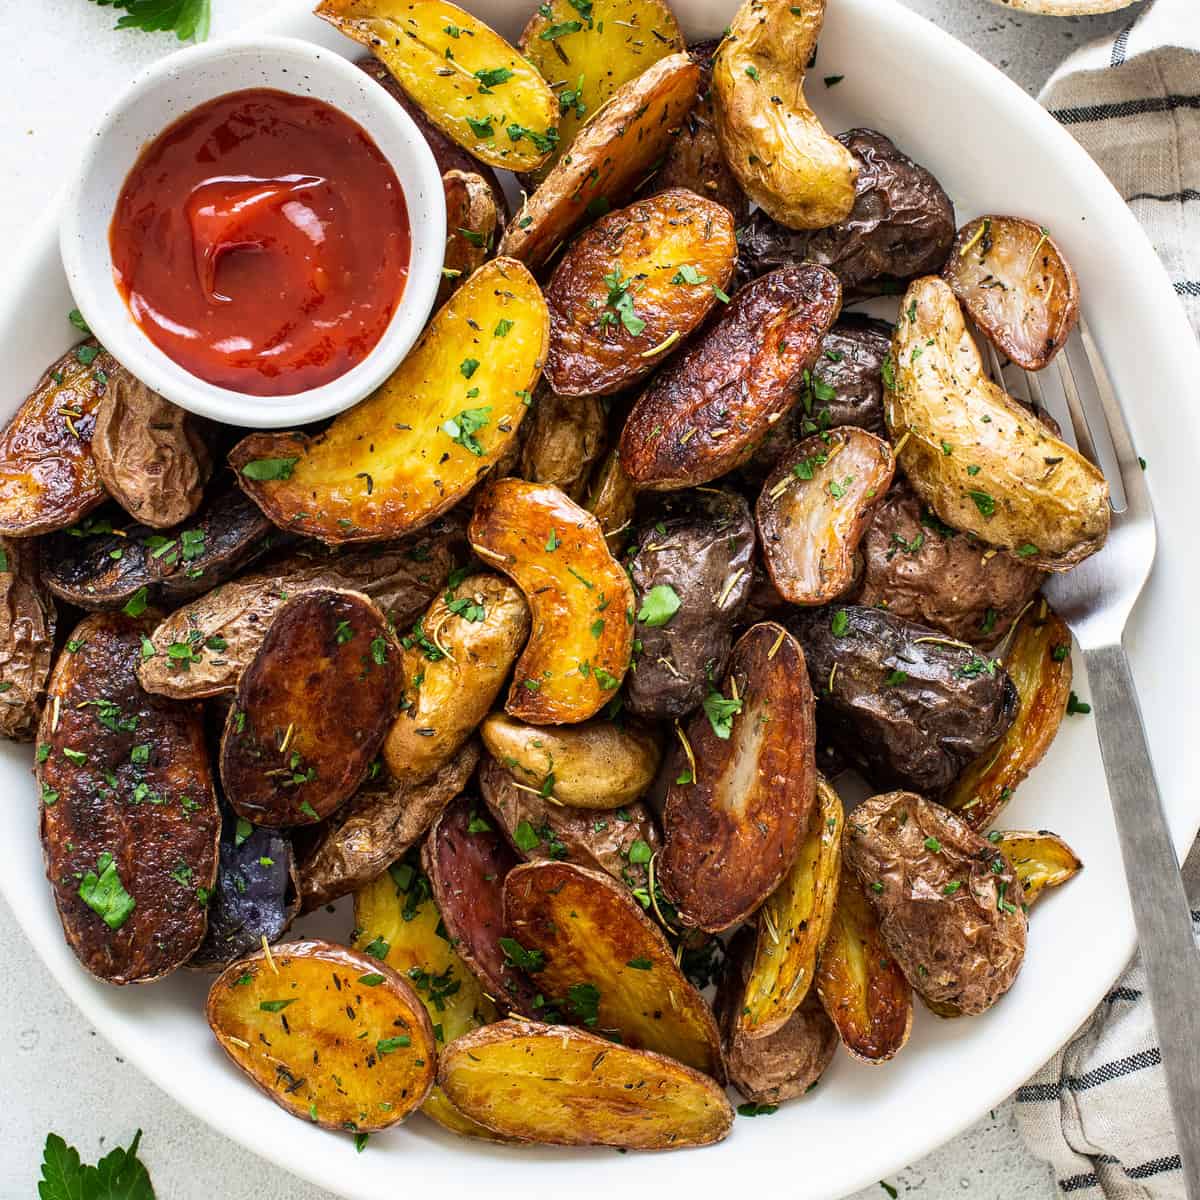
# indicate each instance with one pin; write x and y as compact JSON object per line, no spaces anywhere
{"x":262,"y":242}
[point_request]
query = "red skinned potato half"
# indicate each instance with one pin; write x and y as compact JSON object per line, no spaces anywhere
{"x":815,"y":507}
{"x":580,"y":599}
{"x":129,"y":817}
{"x":312,"y":709}
{"x":631,"y":286}
{"x":731,"y":834}
{"x":704,"y":413}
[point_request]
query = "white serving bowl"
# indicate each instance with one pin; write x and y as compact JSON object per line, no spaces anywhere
{"x":158,"y":98}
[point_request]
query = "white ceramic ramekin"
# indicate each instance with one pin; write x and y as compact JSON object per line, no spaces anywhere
{"x":159,"y":97}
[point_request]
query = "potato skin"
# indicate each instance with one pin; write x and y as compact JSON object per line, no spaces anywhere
{"x":471,"y":221}
{"x":611,"y":499}
{"x":599,"y":839}
{"x":159,"y":823}
{"x":920,"y":730}
{"x":28,"y":619}
{"x":1041,"y":860}
{"x":920,"y":569}
{"x":701,"y":545}
{"x":311,"y":710}
{"x":591,"y":930}
{"x":597,"y":764}
{"x":1032,"y":495}
{"x":731,"y":835}
{"x":453,"y":672}
{"x":951,"y":916}
{"x":646,"y":246}
{"x":48,"y":478}
{"x":555,"y":552}
{"x":564,"y":438}
{"x":300,"y":1054}
{"x":564,"y":1087}
{"x":702,"y":415}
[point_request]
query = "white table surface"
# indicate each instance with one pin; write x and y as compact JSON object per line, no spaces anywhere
{"x":62,"y":62}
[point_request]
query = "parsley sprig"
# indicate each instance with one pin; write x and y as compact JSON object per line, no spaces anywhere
{"x":186,"y":19}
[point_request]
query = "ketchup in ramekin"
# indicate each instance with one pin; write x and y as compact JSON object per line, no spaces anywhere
{"x":262,"y":242}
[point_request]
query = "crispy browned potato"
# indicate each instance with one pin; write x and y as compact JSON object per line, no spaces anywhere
{"x":333,"y":1036}
{"x":149,"y":453}
{"x":608,"y":159}
{"x":311,"y":710}
{"x":703,"y":414}
{"x":471,"y":221}
{"x":1040,"y":858}
{"x":948,"y":902}
{"x":611,"y":500}
{"x":585,"y":52}
{"x":382,"y":820}
{"x":564,"y":438}
{"x":784,"y":1064}
{"x":632,"y":286}
{"x":773,"y":142}
{"x":858,"y":982}
{"x":396,"y":917}
{"x":598,"y":764}
{"x":462,"y":392}
{"x":815,"y":507}
{"x":580,"y":599}
{"x":606,"y":965}
{"x":28,"y":619}
{"x":734,"y":829}
{"x":467,"y":861}
{"x":792,"y":924}
{"x":620,"y":841}
{"x":129,"y":819}
{"x":1038,"y":660}
{"x":231,"y":621}
{"x":474,"y":86}
{"x":1016,"y":284}
{"x":923,"y":570}
{"x":1006,"y":479}
{"x":694,"y":159}
{"x":48,"y":478}
{"x":455,"y":662}
{"x":565,"y":1087}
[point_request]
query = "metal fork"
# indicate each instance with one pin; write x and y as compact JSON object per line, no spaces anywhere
{"x":1095,"y":599}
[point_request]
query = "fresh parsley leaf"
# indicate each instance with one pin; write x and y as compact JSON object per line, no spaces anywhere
{"x":839,"y":623}
{"x":102,"y":891}
{"x":659,"y":605}
{"x":620,"y":302}
{"x":463,"y":428}
{"x":264,"y":469}
{"x":720,"y":713}
{"x":119,"y":1175}
{"x":542,"y":142}
{"x":689,"y":274}
{"x":528,"y":960}
{"x":584,"y":999}
{"x":757,"y":1110}
{"x":186,"y":19}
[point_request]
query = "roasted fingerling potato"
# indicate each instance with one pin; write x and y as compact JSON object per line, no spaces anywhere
{"x":28,"y":620}
{"x":419,"y":443}
{"x":471,"y":220}
{"x":467,"y":80}
{"x":1040,"y":858}
{"x":456,"y":659}
{"x":704,"y":413}
{"x":977,"y":457}
{"x":564,"y":438}
{"x":580,"y":600}
{"x":334,"y":1037}
{"x":612,"y":500}
{"x":566,"y":1087}
{"x":632,"y":287}
{"x":773,"y":142}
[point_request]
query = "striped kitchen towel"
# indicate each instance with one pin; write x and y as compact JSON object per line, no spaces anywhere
{"x":1097,"y":1111}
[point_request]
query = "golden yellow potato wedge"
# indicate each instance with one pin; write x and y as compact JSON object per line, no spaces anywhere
{"x":605,"y":963}
{"x":1040,"y":858}
{"x":423,"y":440}
{"x":1038,"y":661}
{"x":593,"y":765}
{"x":580,"y":599}
{"x":471,"y":220}
{"x":859,"y":983}
{"x":793,"y":923}
{"x":396,"y":919}
{"x":774,"y":143}
{"x":616,"y":151}
{"x":585,"y":52}
{"x":565,"y":1087}
{"x":466,"y":79}
{"x":333,"y":1036}
{"x":1016,"y":284}
{"x":564,"y":436}
{"x":980,"y":460}
{"x":456,"y":659}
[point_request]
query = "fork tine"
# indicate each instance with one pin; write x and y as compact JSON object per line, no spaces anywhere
{"x":1118,"y":431}
{"x":1083,"y":434}
{"x":1034,"y":384}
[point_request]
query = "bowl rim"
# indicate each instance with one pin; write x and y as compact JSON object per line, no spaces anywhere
{"x":105,"y":310}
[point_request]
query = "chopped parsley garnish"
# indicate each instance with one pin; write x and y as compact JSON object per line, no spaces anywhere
{"x":463,"y":428}
{"x":584,"y":1001}
{"x":839,"y":623}
{"x":659,"y":605}
{"x":619,"y":304}
{"x":1075,"y":705}
{"x":102,"y":891}
{"x":274,"y":1006}
{"x":689,"y":274}
{"x":530,"y":961}
{"x":983,"y":502}
{"x":720,"y":713}
{"x":264,"y":469}
{"x":492,"y":77}
{"x":895,"y":678}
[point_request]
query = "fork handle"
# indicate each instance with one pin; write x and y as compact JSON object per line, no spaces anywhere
{"x":1160,"y":905}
